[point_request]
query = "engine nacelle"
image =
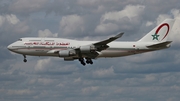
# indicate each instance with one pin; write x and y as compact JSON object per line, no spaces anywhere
{"x":88,"y":49}
{"x":67,"y":53}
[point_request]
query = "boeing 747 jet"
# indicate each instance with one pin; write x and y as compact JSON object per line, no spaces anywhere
{"x":85,"y":51}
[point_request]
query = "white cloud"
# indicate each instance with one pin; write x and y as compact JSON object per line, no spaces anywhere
{"x":100,"y":9}
{"x":111,"y":21}
{"x":42,"y":65}
{"x":2,"y":20}
{"x":175,"y":31}
{"x":19,"y":92}
{"x":89,"y":90}
{"x":142,"y":57}
{"x":161,"y":18}
{"x":130,"y":11}
{"x":46,"y":33}
{"x":87,"y":2}
{"x":11,"y":19}
{"x":176,"y":13}
{"x":103,"y":73}
{"x":106,"y":28}
{"x":21,"y":28}
{"x":77,"y":80}
{"x":45,"y":81}
{"x":10,"y":24}
{"x":149,"y":23}
{"x":72,"y":24}
{"x":150,"y":78}
{"x":24,"y":6}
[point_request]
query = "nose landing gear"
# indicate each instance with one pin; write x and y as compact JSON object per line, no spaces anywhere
{"x":25,"y":60}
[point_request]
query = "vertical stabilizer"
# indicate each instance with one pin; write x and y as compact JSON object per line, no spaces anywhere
{"x":159,"y":33}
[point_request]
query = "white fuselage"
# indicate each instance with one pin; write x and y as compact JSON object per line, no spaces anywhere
{"x":43,"y":47}
{"x":70,"y":50}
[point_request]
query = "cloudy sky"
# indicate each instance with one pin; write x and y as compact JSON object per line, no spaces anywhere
{"x":153,"y":76}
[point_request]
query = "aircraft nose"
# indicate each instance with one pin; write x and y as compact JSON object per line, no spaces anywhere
{"x":9,"y":47}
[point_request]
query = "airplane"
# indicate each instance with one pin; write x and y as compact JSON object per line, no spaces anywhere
{"x":85,"y":51}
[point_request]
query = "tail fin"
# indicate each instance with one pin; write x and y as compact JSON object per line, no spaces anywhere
{"x":159,"y":33}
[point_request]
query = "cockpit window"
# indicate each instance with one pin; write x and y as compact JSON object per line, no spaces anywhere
{"x":19,"y":39}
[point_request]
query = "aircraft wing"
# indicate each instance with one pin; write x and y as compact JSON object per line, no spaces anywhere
{"x":97,"y":47}
{"x":105,"y":42}
{"x":102,"y":45}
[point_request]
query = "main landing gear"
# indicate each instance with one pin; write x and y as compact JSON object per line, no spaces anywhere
{"x":82,"y":61}
{"x":25,"y":60}
{"x":88,"y":61}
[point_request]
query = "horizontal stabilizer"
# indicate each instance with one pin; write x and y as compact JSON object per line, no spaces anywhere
{"x":160,"y":45}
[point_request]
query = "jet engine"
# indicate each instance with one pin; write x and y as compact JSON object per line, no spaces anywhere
{"x":88,"y":49}
{"x":67,"y":53}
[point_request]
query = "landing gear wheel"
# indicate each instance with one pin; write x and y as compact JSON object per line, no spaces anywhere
{"x":89,"y":61}
{"x":82,"y":61}
{"x":25,"y":60}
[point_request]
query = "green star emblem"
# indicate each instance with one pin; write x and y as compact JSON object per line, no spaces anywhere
{"x":155,"y":36}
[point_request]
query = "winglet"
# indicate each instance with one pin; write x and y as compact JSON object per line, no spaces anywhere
{"x":119,"y":35}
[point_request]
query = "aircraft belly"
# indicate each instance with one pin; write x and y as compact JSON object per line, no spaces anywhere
{"x":104,"y":53}
{"x":115,"y":53}
{"x":41,"y":54}
{"x":34,"y":52}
